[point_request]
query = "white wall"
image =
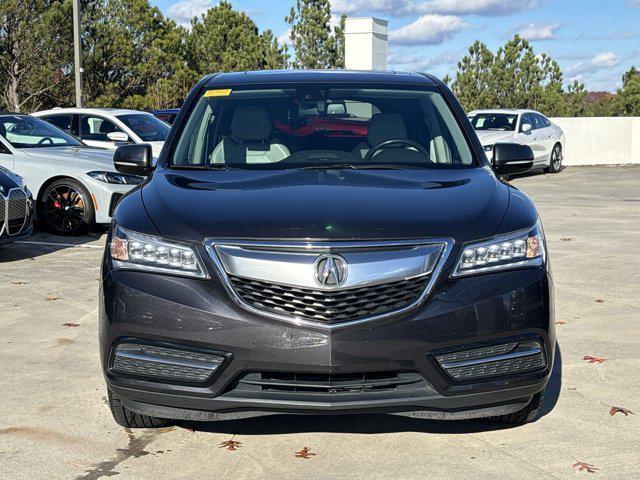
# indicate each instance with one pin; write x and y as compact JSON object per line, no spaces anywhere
{"x":600,"y":140}
{"x":365,"y":43}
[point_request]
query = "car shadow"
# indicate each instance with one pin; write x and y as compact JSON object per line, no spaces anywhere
{"x":44,"y":243}
{"x":370,"y":423}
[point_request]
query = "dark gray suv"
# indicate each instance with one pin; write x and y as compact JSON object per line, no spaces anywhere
{"x":324,"y":242}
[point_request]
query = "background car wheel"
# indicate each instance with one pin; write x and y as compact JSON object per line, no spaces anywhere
{"x":66,"y":207}
{"x":525,"y":415}
{"x":555,"y":161}
{"x":126,"y":418}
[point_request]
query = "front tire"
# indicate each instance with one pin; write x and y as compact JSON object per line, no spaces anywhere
{"x":555,"y":160}
{"x":66,"y":207}
{"x":128,"y":419}
{"x":524,"y":415}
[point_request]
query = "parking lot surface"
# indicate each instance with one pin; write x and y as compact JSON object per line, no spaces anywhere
{"x":55,"y":422}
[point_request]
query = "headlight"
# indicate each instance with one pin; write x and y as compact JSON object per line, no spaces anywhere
{"x":136,"y":251}
{"x":524,"y":248}
{"x":113,"y":177}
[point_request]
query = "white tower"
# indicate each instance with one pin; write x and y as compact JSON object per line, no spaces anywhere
{"x":365,"y":43}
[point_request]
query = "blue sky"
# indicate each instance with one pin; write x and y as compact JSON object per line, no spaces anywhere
{"x":594,"y":41}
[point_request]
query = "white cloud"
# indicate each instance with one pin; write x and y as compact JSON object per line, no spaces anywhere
{"x":285,"y":38}
{"x":184,"y":10}
{"x":539,"y":31}
{"x":428,"y":30}
{"x":397,"y":8}
{"x":420,"y":62}
{"x":605,"y":60}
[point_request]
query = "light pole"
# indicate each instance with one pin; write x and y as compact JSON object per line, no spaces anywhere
{"x":77,"y":52}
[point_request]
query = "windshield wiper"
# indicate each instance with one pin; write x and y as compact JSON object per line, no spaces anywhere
{"x":365,"y":166}
{"x":211,"y":166}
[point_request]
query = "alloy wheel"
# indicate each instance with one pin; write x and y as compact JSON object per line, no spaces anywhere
{"x":64,"y":209}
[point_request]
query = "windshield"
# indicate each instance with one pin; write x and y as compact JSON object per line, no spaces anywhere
{"x":146,"y":126}
{"x":23,"y":131}
{"x":321,"y":126}
{"x":500,"y":122}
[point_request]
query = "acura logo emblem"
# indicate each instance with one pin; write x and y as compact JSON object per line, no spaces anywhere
{"x":331,"y":270}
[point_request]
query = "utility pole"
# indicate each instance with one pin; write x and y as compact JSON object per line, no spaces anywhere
{"x":77,"y":52}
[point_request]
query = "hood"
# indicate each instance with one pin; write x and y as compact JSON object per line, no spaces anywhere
{"x":89,"y":156}
{"x":463,"y":204}
{"x":488,"y":137}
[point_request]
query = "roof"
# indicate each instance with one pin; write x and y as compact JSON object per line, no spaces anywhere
{"x":503,"y":110}
{"x":110,"y":111}
{"x":316,"y":76}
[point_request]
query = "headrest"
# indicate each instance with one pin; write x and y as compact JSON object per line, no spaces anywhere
{"x":386,"y":126}
{"x":3,"y":130}
{"x":106,"y":127}
{"x":251,"y":123}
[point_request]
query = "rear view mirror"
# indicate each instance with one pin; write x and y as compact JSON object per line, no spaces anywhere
{"x":526,"y":127}
{"x":133,"y":159}
{"x":510,"y":158}
{"x":336,"y":109}
{"x":118,"y":137}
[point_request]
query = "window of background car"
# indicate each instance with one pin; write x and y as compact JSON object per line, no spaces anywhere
{"x":494,"y":121}
{"x":146,"y":126}
{"x":63,"y":122}
{"x":308,"y":125}
{"x":23,"y":131}
{"x":97,"y":128}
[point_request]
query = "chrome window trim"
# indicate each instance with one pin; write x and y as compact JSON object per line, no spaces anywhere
{"x":327,"y":247}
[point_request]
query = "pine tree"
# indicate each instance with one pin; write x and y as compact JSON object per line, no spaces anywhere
{"x":316,"y":44}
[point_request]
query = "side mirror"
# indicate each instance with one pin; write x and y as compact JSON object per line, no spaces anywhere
{"x":118,"y":137}
{"x":510,"y":158}
{"x":134,"y":159}
{"x":526,"y":127}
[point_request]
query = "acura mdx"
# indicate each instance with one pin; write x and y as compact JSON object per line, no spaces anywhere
{"x":376,"y":264}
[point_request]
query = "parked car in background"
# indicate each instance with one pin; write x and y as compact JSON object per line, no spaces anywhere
{"x":109,"y":127}
{"x":16,"y":207}
{"x":526,"y":127}
{"x":167,"y":115}
{"x":74,"y":186}
{"x":339,"y":274}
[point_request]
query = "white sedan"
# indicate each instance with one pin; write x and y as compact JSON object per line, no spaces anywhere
{"x":74,"y":186}
{"x":526,"y":127}
{"x":109,"y":127}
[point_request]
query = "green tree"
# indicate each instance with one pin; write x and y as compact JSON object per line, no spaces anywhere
{"x":128,"y":46}
{"x":315,"y":43}
{"x":473,"y":84}
{"x":628,"y":97}
{"x":224,"y":39}
{"x":35,"y":53}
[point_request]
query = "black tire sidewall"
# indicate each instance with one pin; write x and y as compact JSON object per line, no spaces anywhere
{"x":552,"y":167}
{"x":89,"y":210}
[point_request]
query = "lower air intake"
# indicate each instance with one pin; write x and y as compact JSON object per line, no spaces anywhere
{"x":167,"y":363}
{"x":493,"y":361}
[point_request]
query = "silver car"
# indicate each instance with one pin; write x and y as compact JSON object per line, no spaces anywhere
{"x":74,"y":186}
{"x":526,"y":127}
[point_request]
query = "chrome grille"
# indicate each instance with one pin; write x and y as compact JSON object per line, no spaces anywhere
{"x":3,"y":212}
{"x":333,"y":305}
{"x":16,"y":211}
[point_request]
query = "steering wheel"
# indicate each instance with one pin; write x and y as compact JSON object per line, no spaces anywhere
{"x":403,"y":142}
{"x":45,"y":139}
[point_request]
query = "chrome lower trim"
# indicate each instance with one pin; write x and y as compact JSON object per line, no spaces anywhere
{"x":4,"y":227}
{"x":338,"y":247}
{"x":496,"y":358}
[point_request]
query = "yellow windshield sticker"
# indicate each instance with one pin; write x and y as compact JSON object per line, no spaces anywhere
{"x":221,"y":92}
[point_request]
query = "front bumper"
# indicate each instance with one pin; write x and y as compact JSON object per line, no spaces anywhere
{"x":105,"y":196}
{"x":478,"y":310}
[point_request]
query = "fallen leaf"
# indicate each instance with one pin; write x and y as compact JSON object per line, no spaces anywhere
{"x":560,"y":323}
{"x":304,"y":453}
{"x":52,"y":298}
{"x":566,"y":239}
{"x":584,"y":466}
{"x":592,"y":359}
{"x":70,"y":324}
{"x":599,"y":300}
{"x":18,"y":282}
{"x":625,"y":411}
{"x":230,"y":445}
